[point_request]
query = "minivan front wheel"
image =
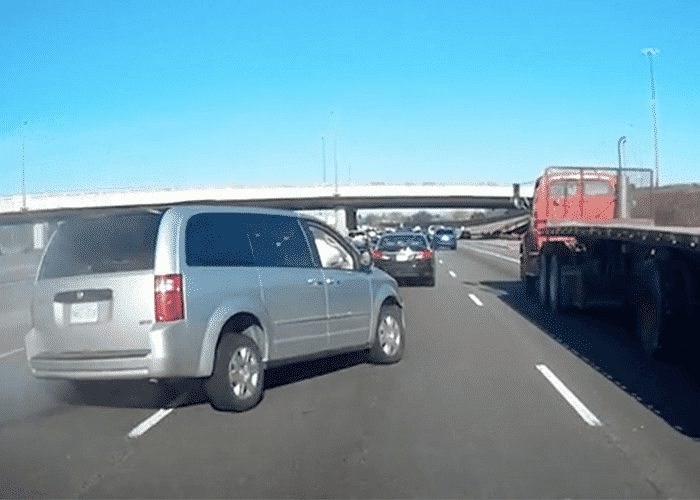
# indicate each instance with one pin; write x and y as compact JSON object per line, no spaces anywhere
{"x":389,"y":340}
{"x":238,"y":379}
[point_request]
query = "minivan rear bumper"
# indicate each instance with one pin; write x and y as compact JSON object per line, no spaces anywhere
{"x":164,"y":359}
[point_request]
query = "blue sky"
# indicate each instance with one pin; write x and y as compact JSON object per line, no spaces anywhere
{"x":150,"y":94}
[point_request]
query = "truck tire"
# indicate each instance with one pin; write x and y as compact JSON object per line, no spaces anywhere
{"x":543,"y":281}
{"x":556,"y":292}
{"x":652,"y":307}
{"x":530,"y":285}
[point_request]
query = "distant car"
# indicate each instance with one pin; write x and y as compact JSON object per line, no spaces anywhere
{"x":406,"y":256}
{"x":466,"y":234}
{"x":216,"y":293}
{"x":445,"y":238}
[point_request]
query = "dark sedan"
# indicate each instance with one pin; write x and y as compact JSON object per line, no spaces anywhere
{"x":406,"y":256}
{"x":445,"y":238}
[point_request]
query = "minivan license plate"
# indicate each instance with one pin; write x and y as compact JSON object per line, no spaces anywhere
{"x":84,"y":312}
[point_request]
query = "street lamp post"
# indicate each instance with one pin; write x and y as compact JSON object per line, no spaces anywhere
{"x":323,"y":142}
{"x":24,"y":185}
{"x":650,"y":53}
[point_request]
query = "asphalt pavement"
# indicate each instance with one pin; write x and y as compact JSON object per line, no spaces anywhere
{"x":494,"y":398}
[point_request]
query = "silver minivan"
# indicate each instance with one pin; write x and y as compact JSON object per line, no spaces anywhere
{"x":210,"y":292}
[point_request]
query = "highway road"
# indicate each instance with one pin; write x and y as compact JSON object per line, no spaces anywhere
{"x":494,"y":398}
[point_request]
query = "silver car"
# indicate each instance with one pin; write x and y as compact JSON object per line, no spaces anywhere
{"x":209,"y":292}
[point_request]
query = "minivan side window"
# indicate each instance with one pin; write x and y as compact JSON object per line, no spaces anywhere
{"x":218,"y":240}
{"x":278,"y":241}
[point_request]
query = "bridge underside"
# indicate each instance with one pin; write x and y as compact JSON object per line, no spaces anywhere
{"x":320,"y":203}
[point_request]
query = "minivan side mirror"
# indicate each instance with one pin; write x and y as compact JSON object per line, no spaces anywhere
{"x":365,"y":260}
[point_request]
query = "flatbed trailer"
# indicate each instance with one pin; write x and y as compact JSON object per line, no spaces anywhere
{"x":651,"y":271}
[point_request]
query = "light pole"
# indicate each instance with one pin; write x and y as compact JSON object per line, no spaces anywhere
{"x":323,"y":142}
{"x":24,"y":185}
{"x":650,"y":53}
{"x":335,"y":150}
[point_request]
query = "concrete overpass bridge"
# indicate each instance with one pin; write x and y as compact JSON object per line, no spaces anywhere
{"x":43,"y":208}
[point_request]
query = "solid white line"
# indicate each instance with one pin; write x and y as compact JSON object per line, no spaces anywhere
{"x":586,"y":414}
{"x":144,"y":426}
{"x":493,"y":254}
{"x":476,"y":300}
{"x":452,"y":273}
{"x":10,"y":353}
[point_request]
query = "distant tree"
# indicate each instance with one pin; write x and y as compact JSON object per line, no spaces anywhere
{"x":421,"y":218}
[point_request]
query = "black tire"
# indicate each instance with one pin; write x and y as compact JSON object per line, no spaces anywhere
{"x":236,"y":389}
{"x":554,"y":284}
{"x":543,"y":281}
{"x":387,"y":347}
{"x":652,"y":309}
{"x":430,"y":281}
{"x":530,"y":285}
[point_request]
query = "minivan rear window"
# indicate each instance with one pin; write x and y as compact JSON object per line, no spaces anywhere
{"x":103,"y":244}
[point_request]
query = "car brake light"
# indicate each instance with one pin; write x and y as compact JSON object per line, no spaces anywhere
{"x":377,"y":254}
{"x":168,"y":297}
{"x":425,"y":254}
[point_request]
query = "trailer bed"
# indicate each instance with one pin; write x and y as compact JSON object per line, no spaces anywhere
{"x":641,"y":231}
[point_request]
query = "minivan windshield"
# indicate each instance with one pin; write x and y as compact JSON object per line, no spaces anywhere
{"x":104,"y":244}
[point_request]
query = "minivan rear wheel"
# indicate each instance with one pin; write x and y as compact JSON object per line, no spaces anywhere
{"x":389,"y":340}
{"x":238,"y":379}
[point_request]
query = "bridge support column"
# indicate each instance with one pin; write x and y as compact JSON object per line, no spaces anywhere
{"x":40,"y":235}
{"x":345,"y":219}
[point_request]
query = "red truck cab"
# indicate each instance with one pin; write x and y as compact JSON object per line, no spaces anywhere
{"x":579,"y":194}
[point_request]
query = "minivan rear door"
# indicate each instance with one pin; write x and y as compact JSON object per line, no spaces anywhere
{"x":94,"y":289}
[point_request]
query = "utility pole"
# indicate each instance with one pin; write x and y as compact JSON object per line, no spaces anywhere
{"x":323,"y":142}
{"x":335,"y":150}
{"x":650,"y":53}
{"x":24,"y":185}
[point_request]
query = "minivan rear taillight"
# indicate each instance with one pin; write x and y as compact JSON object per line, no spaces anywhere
{"x":168,"y":297}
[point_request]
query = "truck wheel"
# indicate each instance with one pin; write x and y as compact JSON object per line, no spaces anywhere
{"x":238,"y":379}
{"x":543,"y":281}
{"x":555,"y":283}
{"x":530,"y":285}
{"x":652,"y":322}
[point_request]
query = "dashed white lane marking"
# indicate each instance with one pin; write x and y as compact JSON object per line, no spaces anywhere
{"x":440,"y":261}
{"x":147,"y":424}
{"x":586,"y":414}
{"x":10,"y":353}
{"x":476,"y":300}
{"x":493,"y":254}
{"x":452,"y":273}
